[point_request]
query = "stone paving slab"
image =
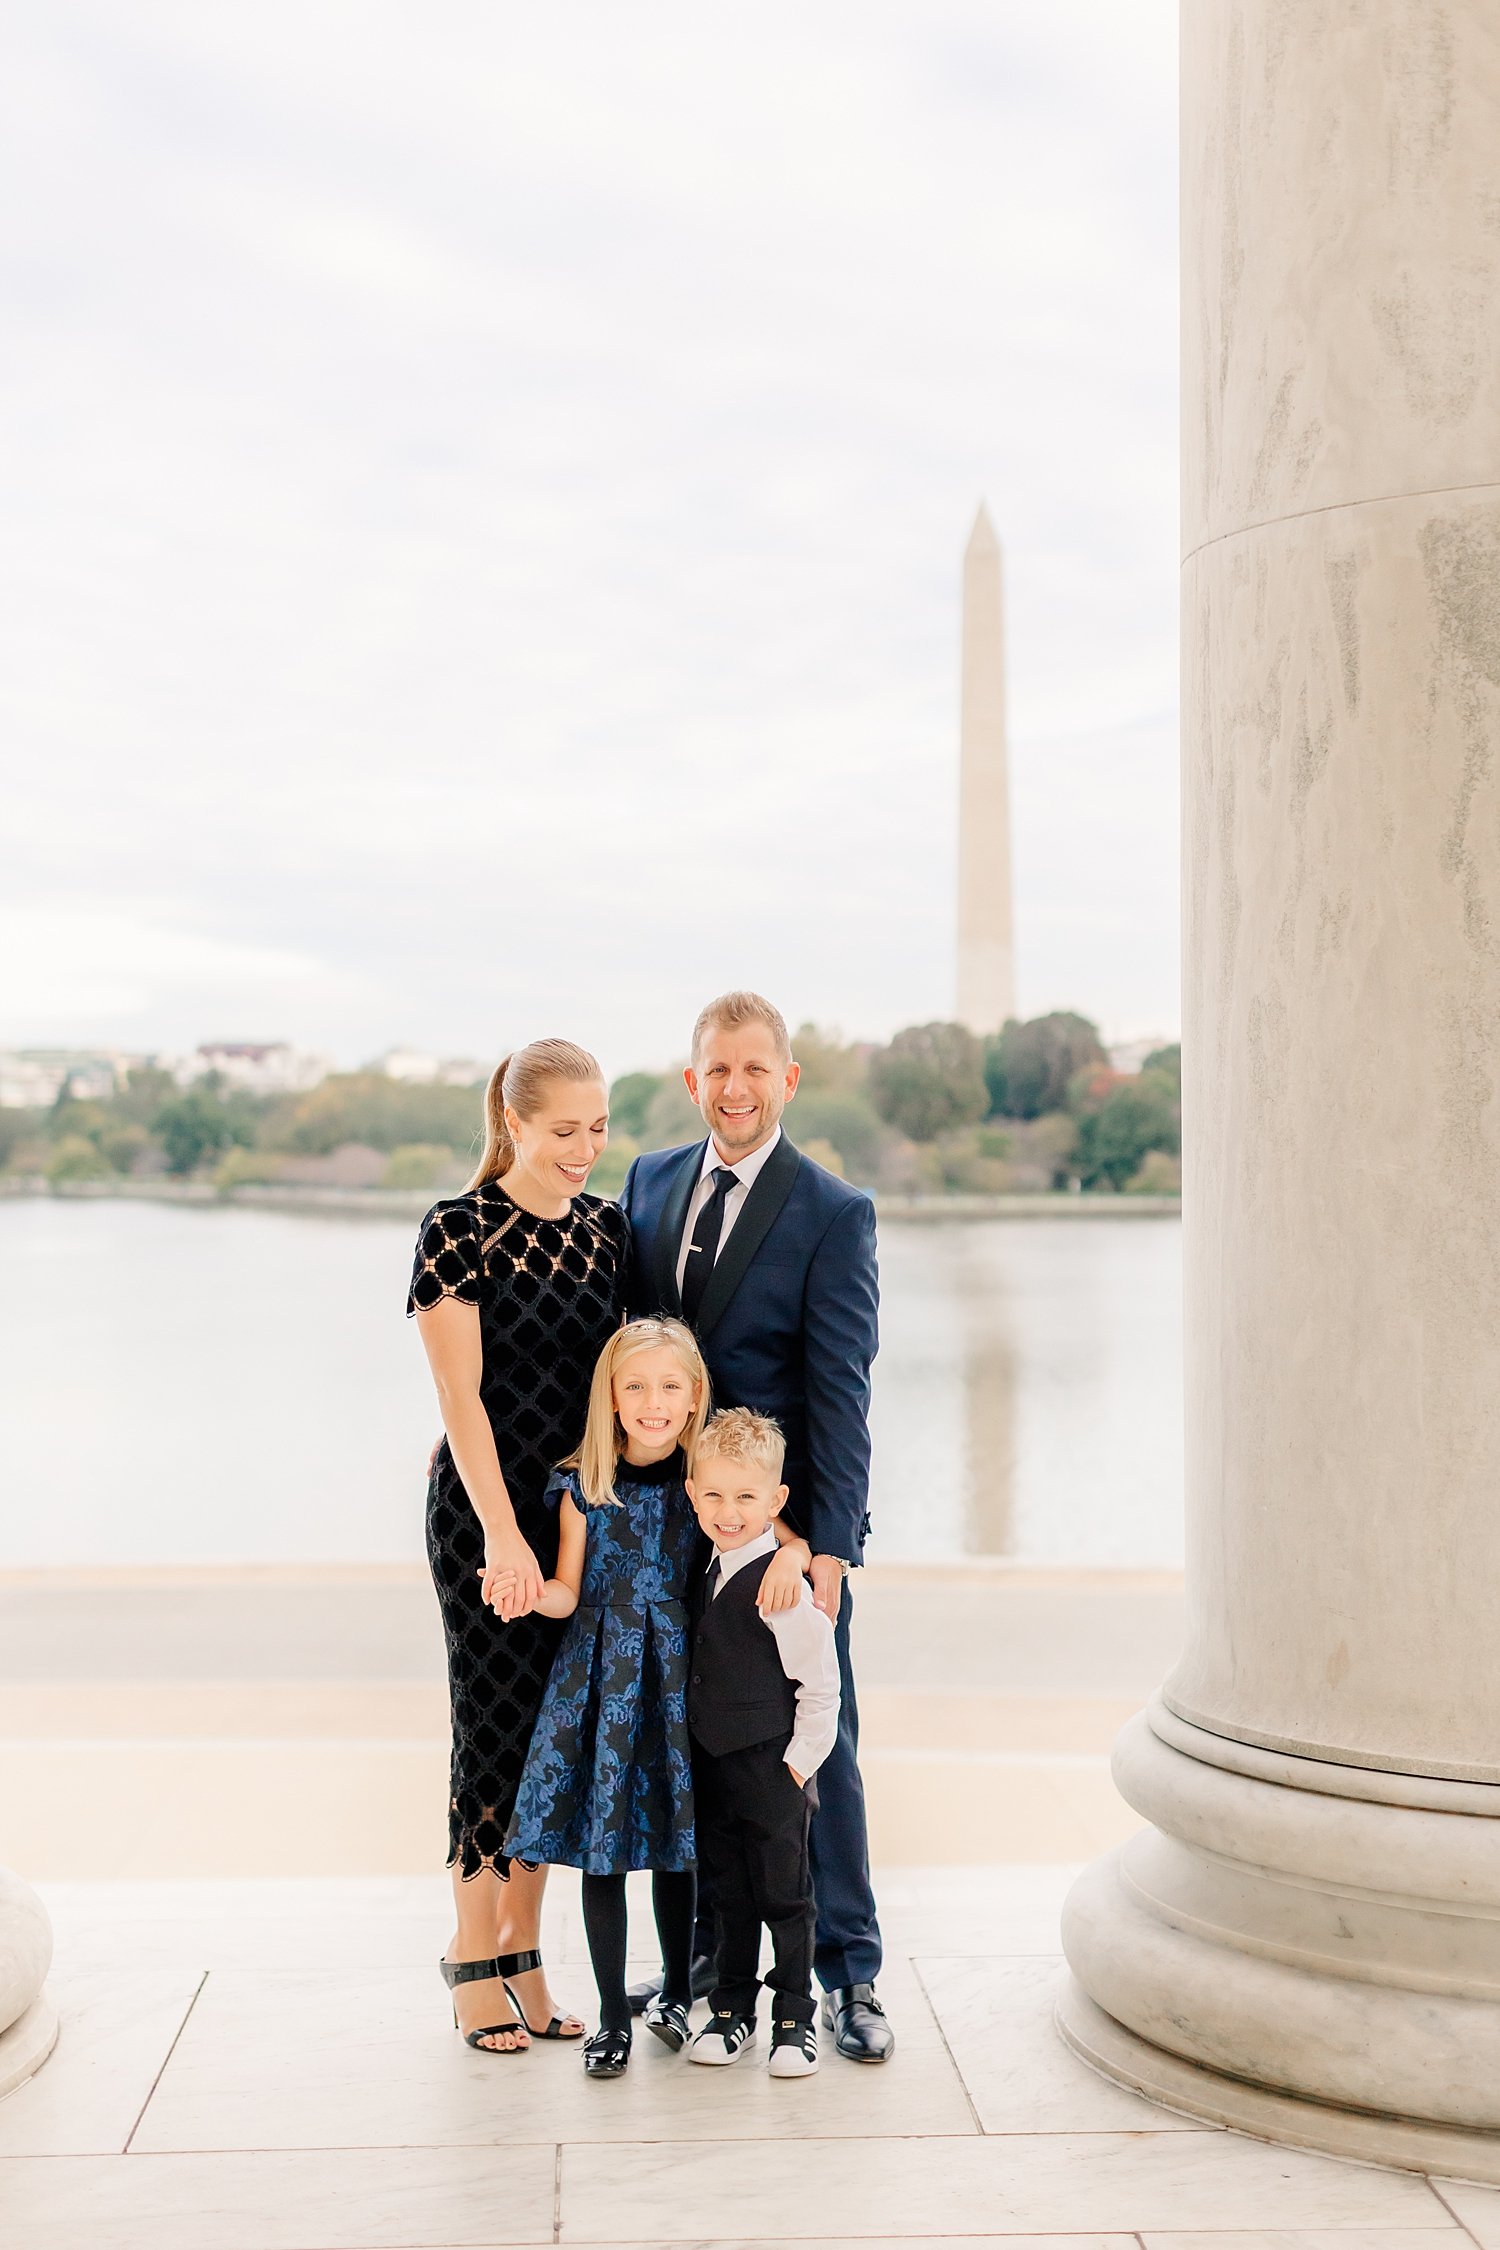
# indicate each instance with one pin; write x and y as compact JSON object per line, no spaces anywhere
{"x":118,"y":2028}
{"x":328,"y":2199}
{"x":286,"y":2050}
{"x":267,"y":2062}
{"x":678,"y":2191}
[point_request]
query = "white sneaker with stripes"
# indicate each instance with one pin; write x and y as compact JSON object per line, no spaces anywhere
{"x":794,"y":2048}
{"x":723,"y":2039}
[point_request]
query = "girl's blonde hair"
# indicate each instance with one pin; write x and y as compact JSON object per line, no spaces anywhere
{"x":520,"y":1083}
{"x":603,"y":1438}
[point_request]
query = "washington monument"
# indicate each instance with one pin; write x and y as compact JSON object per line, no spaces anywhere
{"x":986,"y":943}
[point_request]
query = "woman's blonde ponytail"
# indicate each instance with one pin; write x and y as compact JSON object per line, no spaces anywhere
{"x":499,"y":1149}
{"x":520,"y":1083}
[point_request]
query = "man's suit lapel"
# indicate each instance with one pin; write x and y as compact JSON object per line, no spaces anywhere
{"x":762,"y":1206}
{"x":669,"y":1230}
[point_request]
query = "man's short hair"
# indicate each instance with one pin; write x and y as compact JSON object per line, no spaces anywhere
{"x":732,"y":1011}
{"x":736,"y":1434}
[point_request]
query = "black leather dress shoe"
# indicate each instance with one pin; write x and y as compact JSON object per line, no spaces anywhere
{"x":857,"y":2021}
{"x":641,"y":1996}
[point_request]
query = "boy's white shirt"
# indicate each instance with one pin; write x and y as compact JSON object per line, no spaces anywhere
{"x":804,"y":1642}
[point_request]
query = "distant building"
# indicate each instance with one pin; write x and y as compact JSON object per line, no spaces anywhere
{"x":410,"y":1067}
{"x":33,"y":1077}
{"x":1131,"y":1053}
{"x":29,"y":1085}
{"x":255,"y":1066}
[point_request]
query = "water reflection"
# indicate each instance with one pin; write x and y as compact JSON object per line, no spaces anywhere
{"x":228,"y":1385}
{"x":991,"y":1388}
{"x":1028,"y":1392}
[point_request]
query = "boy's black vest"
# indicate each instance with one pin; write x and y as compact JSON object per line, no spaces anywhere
{"x":738,"y":1693}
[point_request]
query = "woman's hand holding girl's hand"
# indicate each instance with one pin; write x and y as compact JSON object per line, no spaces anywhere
{"x":781,"y":1587}
{"x":511,"y":1581}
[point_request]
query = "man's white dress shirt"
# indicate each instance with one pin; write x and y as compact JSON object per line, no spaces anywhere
{"x":746,"y":1173}
{"x":804,"y":1642}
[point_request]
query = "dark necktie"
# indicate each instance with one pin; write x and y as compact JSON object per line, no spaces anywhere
{"x":711,"y":1582}
{"x":704,"y":1247}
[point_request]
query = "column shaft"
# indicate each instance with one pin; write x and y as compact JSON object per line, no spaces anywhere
{"x":1316,"y":1909}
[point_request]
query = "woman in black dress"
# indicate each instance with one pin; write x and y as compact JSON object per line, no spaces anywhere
{"x":518,"y":1284}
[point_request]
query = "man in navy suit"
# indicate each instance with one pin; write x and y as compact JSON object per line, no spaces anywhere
{"x":772,"y":1262}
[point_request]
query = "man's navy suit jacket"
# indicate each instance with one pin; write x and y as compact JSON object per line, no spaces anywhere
{"x":789,"y":1321}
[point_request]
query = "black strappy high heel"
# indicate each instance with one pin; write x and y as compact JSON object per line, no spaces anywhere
{"x":455,"y":1973}
{"x":517,"y":1965}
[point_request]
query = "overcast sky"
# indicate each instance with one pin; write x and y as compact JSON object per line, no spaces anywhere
{"x":484,"y":500}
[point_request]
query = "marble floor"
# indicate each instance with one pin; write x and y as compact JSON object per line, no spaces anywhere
{"x":269,"y":2066}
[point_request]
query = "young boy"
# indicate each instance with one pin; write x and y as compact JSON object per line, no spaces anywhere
{"x":763,"y":1711}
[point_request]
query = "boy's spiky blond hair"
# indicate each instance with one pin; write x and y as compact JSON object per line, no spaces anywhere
{"x":737,"y":1434}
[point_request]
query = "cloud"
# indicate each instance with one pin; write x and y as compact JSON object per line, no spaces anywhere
{"x":72,"y":964}
{"x":490,"y":493}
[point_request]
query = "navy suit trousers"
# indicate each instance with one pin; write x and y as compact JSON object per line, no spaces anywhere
{"x":848,"y":1941}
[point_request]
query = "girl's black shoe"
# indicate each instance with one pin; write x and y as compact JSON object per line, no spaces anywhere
{"x":669,"y":2020}
{"x":606,"y":2054}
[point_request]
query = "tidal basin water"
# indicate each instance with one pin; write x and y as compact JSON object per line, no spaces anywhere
{"x":218,"y":1384}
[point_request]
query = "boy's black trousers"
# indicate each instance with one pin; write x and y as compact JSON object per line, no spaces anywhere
{"x":752,"y":1822}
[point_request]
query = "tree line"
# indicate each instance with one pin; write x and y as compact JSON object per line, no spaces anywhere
{"x":935,"y":1111}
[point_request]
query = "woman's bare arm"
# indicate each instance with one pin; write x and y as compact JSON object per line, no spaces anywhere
{"x":450,"y":1337}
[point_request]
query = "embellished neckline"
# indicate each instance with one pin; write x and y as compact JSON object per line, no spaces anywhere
{"x":499,"y":1189}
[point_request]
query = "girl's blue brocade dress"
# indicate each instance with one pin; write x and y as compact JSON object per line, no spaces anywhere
{"x":607,"y":1784}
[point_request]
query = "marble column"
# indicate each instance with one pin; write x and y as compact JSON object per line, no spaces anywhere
{"x":28,"y":2020}
{"x":986,"y":941}
{"x":1305,"y":1942}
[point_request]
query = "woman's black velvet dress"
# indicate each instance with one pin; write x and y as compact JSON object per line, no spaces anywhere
{"x":550,"y":1292}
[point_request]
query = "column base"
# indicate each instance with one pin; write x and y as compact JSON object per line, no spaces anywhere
{"x":1299,"y":1950}
{"x":1183,"y":2087}
{"x":27,"y":2044}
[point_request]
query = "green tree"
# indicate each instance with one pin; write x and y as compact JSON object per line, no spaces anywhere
{"x":672,"y":1117}
{"x":827,"y":1065}
{"x":143,"y":1093}
{"x":380,"y":1112}
{"x":630,"y":1100}
{"x":1159,"y":1174}
{"x":197,"y":1124}
{"x":121,"y":1144}
{"x":75,"y":1157}
{"x":416,"y":1164}
{"x":847,"y":1123}
{"x":608,"y":1175}
{"x":19,"y":1130}
{"x":1028,"y":1067}
{"x":929,"y":1080}
{"x":1168,"y":1062}
{"x":1120,"y":1120}
{"x":70,"y":1119}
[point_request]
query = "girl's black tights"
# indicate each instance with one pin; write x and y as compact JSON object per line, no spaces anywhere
{"x":675,"y":1900}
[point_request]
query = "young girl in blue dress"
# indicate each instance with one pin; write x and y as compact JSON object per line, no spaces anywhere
{"x":607,"y":1784}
